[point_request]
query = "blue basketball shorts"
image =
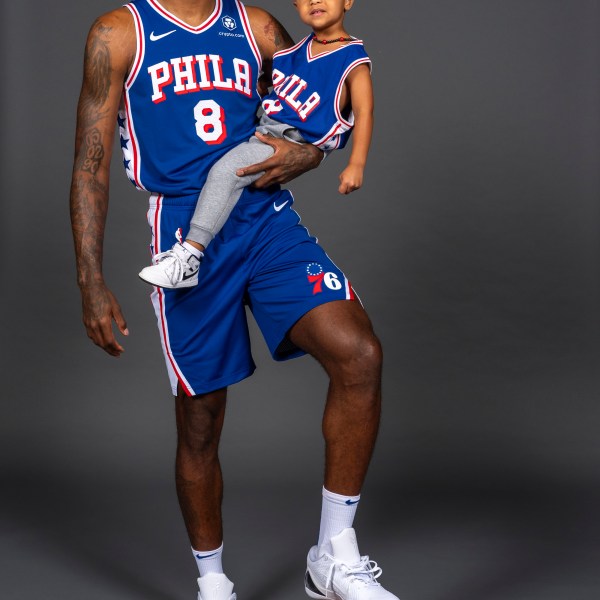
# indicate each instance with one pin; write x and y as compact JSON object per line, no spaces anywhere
{"x":262,"y":258}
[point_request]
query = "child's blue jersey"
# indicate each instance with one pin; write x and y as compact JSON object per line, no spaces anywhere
{"x":190,"y":96}
{"x":307,"y":88}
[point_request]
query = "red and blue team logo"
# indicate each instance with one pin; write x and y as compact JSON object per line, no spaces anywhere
{"x":179,"y":235}
{"x":315,"y":276}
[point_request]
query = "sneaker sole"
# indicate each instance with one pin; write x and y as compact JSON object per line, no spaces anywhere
{"x":314,"y":592}
{"x":183,"y":284}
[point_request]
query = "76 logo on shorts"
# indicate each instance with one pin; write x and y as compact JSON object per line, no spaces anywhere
{"x":316,"y":277}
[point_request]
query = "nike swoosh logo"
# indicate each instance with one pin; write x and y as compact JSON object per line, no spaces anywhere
{"x":350,"y":503}
{"x":203,"y":557}
{"x":278,"y":208}
{"x":154,"y":38}
{"x":185,"y":278}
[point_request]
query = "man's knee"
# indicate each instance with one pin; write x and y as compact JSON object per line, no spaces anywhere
{"x":357,"y":360}
{"x":197,"y":437}
{"x":199,"y":423}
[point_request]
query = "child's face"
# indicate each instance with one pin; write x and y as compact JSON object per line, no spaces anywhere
{"x":322,"y":14}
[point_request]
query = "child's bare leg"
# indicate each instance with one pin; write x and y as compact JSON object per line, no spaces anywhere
{"x":195,"y":245}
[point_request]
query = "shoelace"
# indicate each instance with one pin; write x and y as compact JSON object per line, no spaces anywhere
{"x":175,"y":269}
{"x":366,"y":572}
{"x":167,"y":254}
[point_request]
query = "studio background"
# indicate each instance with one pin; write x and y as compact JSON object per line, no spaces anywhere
{"x":474,"y":246}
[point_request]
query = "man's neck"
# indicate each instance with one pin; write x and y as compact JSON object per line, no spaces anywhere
{"x":193,"y":12}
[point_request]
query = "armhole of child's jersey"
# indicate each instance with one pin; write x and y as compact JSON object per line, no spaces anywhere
{"x":140,"y":46}
{"x":338,"y":93}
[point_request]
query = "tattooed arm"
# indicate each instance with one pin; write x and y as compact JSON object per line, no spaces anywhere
{"x":109,"y":52}
{"x":290,"y":159}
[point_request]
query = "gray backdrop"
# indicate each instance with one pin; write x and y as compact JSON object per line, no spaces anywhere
{"x":477,"y":260}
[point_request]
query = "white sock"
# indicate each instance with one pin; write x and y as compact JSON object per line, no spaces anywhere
{"x":337,"y":514}
{"x":209,"y":561}
{"x":197,"y":253}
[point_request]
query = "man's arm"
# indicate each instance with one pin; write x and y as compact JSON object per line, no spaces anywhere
{"x":289,"y":159}
{"x":109,"y":51}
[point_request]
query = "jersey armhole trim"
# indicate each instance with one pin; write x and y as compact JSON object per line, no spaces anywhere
{"x":250,"y":36}
{"x":140,"y":46}
{"x":338,"y":93}
{"x":323,"y":144}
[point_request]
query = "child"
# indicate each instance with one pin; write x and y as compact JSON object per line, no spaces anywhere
{"x":321,"y":91}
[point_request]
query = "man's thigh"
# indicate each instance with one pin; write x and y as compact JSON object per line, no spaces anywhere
{"x":334,"y":331}
{"x":291,"y":275}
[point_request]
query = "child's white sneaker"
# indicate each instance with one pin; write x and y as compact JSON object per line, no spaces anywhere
{"x":176,"y":268}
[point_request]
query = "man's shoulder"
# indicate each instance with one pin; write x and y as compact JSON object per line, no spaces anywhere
{"x":117,"y":23}
{"x":113,"y":37}
{"x":268,"y":31}
{"x":259,"y":18}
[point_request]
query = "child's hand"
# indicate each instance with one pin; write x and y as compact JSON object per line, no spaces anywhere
{"x":351,"y":179}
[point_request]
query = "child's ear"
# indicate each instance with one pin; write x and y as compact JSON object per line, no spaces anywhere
{"x":348,"y":4}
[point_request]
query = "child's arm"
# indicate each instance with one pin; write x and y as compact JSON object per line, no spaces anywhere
{"x":360,"y":88}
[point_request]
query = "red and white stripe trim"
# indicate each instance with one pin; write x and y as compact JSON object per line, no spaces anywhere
{"x":349,"y":291}
{"x":288,"y":50}
{"x":161,"y":10}
{"x":337,"y":129}
{"x":140,"y":45}
{"x":137,"y":62}
{"x":338,"y":92}
{"x":158,"y":300}
{"x":310,"y":56}
{"x":250,"y":35}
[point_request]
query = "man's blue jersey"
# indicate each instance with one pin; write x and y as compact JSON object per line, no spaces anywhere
{"x":190,"y":95}
{"x":307,"y":89}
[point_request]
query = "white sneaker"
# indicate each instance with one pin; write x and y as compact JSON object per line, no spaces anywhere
{"x":215,"y":586}
{"x":175,"y":268}
{"x":345,"y":575}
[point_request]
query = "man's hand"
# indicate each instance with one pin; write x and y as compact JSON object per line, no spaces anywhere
{"x":100,"y":309}
{"x":289,"y":160}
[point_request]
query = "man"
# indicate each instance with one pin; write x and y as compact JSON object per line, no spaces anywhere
{"x":180,"y":77}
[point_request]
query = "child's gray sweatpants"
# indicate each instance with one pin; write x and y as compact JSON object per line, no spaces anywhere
{"x":223,"y":187}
